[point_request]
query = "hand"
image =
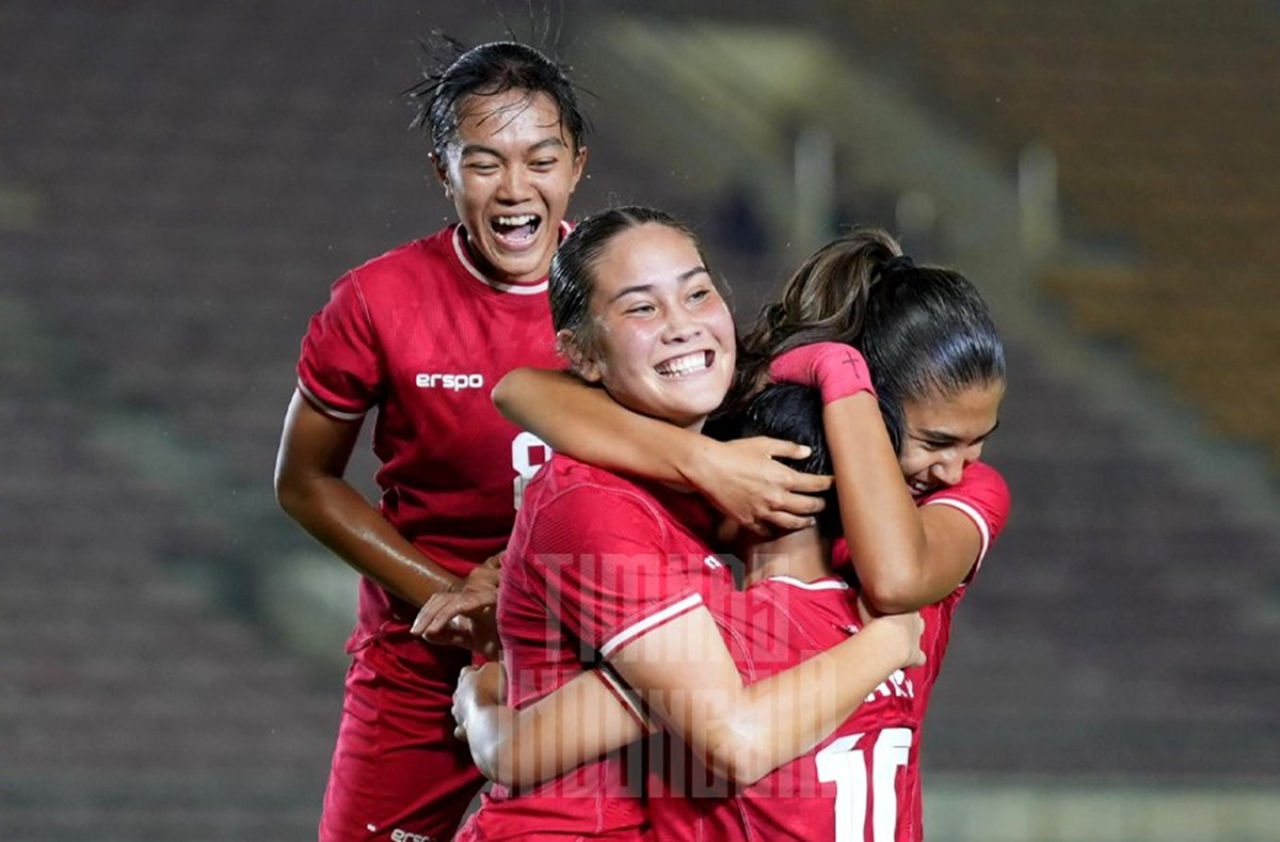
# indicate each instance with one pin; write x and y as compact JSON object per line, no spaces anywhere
{"x":465,"y":615}
{"x":483,"y":686}
{"x":745,"y":480}
{"x":834,"y":368}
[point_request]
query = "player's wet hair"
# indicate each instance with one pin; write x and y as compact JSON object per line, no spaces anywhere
{"x":572,"y":277}
{"x":793,"y":412}
{"x":488,"y":70}
{"x":924,"y":330}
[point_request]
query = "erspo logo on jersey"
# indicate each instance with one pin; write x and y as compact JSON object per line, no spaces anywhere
{"x":450,"y":382}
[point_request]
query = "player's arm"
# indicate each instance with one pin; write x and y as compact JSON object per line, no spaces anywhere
{"x":687,"y":678}
{"x":906,"y":557}
{"x":904,"y":560}
{"x":743,"y":479}
{"x":314,"y":451}
{"x":578,"y":722}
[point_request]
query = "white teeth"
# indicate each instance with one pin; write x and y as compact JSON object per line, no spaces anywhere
{"x":687,"y":364}
{"x":516,"y":221}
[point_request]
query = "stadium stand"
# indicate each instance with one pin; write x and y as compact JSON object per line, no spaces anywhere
{"x":185,"y":182}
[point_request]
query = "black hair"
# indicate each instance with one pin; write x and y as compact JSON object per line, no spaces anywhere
{"x":488,"y":70}
{"x":793,"y":412}
{"x":924,"y":330}
{"x":927,"y":333}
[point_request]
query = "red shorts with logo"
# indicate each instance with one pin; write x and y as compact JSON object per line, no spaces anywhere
{"x":398,"y":773}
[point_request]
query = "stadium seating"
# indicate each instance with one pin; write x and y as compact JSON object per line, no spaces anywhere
{"x":203,"y":172}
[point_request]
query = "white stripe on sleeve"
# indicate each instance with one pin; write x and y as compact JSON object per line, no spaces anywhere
{"x":649,"y":622}
{"x":325,"y":408}
{"x":974,"y":515}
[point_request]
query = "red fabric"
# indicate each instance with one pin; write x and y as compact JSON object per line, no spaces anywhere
{"x":421,"y":336}
{"x":858,"y":771}
{"x":595,"y":561}
{"x":397,"y":769}
{"x":983,"y":495}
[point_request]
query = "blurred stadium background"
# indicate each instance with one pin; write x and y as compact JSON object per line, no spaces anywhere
{"x":180,"y":183}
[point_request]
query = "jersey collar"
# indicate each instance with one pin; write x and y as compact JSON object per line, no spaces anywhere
{"x":460,"y":249}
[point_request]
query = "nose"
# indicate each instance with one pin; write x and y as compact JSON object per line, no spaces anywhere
{"x":514,"y":185}
{"x":681,"y":325}
{"x":949,"y":468}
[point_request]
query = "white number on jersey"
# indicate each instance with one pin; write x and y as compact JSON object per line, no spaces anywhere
{"x":528,"y":454}
{"x":844,"y":764}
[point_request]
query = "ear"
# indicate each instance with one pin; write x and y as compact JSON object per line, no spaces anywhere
{"x":442,"y":173}
{"x":579,"y":165}
{"x":579,"y":360}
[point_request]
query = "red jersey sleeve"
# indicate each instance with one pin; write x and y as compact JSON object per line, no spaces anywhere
{"x":607,"y":559}
{"x":338,"y":369}
{"x":982,"y":495}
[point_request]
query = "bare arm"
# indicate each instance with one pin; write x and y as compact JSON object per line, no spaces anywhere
{"x":578,"y":722}
{"x":743,"y":479}
{"x":906,"y":557}
{"x":687,"y":678}
{"x":309,"y":484}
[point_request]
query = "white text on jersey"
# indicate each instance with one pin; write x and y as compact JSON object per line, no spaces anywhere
{"x":452,"y":382}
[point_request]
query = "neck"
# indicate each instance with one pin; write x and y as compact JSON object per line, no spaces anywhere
{"x":803,"y":554}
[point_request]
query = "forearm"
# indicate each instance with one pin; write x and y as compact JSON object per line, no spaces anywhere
{"x":786,"y":715}
{"x":688,"y":680}
{"x":338,"y":516}
{"x":881,"y":523}
{"x":579,"y":722}
{"x":584,"y":422}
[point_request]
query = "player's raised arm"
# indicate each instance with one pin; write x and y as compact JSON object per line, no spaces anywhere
{"x":743,"y":478}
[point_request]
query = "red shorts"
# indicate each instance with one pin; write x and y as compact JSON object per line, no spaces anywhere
{"x":398,"y":774}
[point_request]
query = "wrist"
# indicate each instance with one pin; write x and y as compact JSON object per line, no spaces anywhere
{"x":893,"y":640}
{"x":694,"y":461}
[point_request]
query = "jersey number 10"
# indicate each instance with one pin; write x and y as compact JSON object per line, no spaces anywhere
{"x":845,"y":764}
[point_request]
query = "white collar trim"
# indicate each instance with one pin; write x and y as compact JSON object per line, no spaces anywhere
{"x":820,"y":585}
{"x":460,"y":249}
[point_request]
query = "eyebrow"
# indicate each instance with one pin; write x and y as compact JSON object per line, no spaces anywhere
{"x":481,"y":149}
{"x":681,"y":278}
{"x":939,"y":436}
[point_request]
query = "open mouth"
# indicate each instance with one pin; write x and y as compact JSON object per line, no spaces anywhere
{"x":516,"y":229}
{"x":687,"y":364}
{"x":919,"y":488}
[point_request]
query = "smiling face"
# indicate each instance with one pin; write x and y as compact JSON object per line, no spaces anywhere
{"x":510,"y":172}
{"x":945,"y":433}
{"x":662,"y":340}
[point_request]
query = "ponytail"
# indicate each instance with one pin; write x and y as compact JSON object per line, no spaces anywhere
{"x":924,"y":330}
{"x":825,"y":300}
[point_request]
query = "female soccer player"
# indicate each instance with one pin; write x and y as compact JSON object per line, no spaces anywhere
{"x":618,"y":571}
{"x":420,"y":334}
{"x":940,"y":370}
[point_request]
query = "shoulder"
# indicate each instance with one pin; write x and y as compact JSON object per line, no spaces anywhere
{"x":983,"y":496}
{"x":981,"y":486}
{"x":568,"y":487}
{"x":407,"y":267}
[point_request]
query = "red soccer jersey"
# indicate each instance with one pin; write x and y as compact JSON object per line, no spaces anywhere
{"x":849,"y":787}
{"x":595,"y":562}
{"x":422,"y":335}
{"x":983,"y":495}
